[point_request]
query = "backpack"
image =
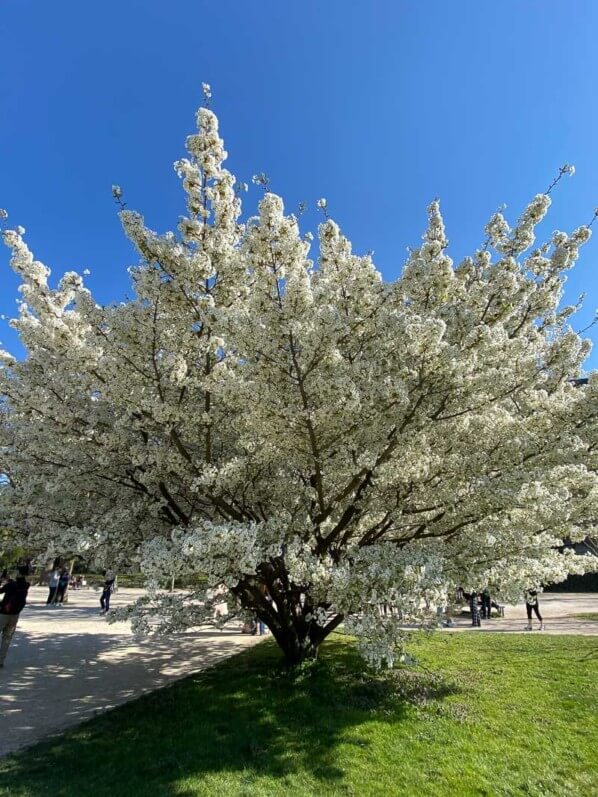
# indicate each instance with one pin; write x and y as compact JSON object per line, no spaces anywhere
{"x":15,"y":598}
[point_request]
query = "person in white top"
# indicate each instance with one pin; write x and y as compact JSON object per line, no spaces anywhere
{"x":53,"y":585}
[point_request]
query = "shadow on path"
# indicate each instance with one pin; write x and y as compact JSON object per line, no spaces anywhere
{"x":53,"y":681}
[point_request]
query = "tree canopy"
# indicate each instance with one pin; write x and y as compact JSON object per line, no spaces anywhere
{"x":313,"y":439}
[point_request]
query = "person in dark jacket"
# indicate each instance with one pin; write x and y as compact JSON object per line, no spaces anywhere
{"x":107,"y":588}
{"x":486,"y":604}
{"x":63,"y":585}
{"x":14,"y":598}
{"x":472,"y":599}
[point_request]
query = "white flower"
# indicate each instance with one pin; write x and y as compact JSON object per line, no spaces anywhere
{"x":260,"y":179}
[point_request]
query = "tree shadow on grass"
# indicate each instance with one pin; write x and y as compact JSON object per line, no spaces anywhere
{"x":247,"y":717}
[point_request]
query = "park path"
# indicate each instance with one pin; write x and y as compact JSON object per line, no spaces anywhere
{"x":558,"y":610}
{"x":67,"y":664}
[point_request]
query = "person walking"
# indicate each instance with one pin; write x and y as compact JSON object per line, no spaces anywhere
{"x":63,"y":584}
{"x":109,"y":578}
{"x":12,"y":603}
{"x":53,"y":587}
{"x":532,"y":605}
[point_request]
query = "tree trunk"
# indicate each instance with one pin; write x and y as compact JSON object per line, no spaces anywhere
{"x":297,"y":648}
{"x":287,"y":610}
{"x":297,"y":637}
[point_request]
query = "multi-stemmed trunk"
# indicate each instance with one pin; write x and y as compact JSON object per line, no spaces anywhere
{"x":300,"y":642}
{"x":296,"y":646}
{"x":287,"y":611}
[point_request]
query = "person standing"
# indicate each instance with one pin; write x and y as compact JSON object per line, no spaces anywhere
{"x":11,"y":605}
{"x":486,"y":604}
{"x":532,"y":605}
{"x":472,"y":597}
{"x":109,"y":578}
{"x":53,"y":586}
{"x":63,"y":583}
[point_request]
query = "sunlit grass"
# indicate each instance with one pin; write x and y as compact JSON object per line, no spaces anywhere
{"x":484,"y":714}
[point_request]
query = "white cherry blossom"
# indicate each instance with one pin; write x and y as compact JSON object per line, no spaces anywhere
{"x":288,"y":425}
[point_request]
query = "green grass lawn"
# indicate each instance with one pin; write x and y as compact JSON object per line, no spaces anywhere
{"x":586,"y":616}
{"x":484,"y":714}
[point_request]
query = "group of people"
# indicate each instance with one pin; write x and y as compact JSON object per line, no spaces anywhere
{"x":13,"y":598}
{"x":58,"y":585}
{"x":59,"y":582}
{"x":481,"y":605}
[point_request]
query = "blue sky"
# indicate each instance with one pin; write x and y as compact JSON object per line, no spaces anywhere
{"x":379,"y":106}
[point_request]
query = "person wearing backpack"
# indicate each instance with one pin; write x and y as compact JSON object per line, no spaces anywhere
{"x":11,"y":605}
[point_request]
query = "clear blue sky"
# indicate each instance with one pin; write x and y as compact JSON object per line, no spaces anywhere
{"x":379,"y":106}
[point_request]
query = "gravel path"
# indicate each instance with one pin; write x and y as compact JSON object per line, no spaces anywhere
{"x":557,"y":609}
{"x":67,"y":664}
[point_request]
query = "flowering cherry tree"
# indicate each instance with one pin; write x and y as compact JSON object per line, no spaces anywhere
{"x":314,"y":440}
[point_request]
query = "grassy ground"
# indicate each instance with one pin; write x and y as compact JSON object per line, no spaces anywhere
{"x":486,"y":714}
{"x":586,"y":616}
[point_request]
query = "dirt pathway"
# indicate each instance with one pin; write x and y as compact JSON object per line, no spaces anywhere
{"x":67,"y":664}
